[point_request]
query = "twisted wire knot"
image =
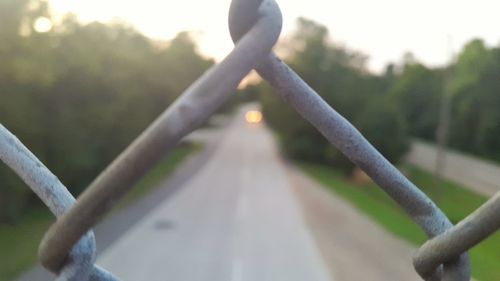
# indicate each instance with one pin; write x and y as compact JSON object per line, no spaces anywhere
{"x":68,"y":248}
{"x":188,"y":112}
{"x":342,"y":134}
{"x":80,"y":262}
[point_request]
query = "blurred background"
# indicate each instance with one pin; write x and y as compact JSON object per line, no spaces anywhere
{"x":79,"y":80}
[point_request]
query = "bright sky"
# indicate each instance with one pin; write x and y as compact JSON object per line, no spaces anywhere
{"x":383,"y":29}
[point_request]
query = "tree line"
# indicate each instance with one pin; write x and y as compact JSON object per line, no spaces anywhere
{"x":78,"y":95}
{"x":389,"y":108}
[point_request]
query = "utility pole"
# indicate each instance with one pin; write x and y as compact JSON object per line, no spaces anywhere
{"x":442,"y":130}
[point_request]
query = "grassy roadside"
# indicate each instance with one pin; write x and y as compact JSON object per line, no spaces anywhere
{"x":455,"y":200}
{"x":19,"y":243}
{"x":165,"y":168}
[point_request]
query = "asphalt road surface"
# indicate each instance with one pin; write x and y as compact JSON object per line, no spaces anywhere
{"x":237,"y":212}
{"x":353,"y":246}
{"x":235,"y":220}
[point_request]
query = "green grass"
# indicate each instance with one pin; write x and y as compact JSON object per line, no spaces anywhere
{"x":19,"y":243}
{"x":158,"y":173}
{"x":455,"y":201}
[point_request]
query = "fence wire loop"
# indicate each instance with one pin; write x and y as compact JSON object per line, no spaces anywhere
{"x":189,"y":111}
{"x":470,"y":231}
{"x":338,"y":131}
{"x":80,"y":262}
{"x":68,"y":247}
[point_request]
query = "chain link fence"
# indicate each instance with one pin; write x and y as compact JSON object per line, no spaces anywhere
{"x":68,"y":248}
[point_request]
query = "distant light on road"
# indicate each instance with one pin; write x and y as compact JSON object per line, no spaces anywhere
{"x":253,"y":117}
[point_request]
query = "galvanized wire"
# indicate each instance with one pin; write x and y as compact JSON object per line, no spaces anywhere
{"x":195,"y":105}
{"x":68,"y":248}
{"x":466,"y":234}
{"x":351,"y":142}
{"x":80,"y":264}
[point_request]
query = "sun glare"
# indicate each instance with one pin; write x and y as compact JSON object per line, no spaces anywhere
{"x":42,"y":25}
{"x":427,"y":40}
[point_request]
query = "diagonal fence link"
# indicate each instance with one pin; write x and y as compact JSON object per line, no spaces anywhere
{"x":466,"y":234}
{"x":351,"y":142}
{"x":338,"y":131}
{"x":188,"y":112}
{"x":80,"y":264}
{"x":68,"y":248}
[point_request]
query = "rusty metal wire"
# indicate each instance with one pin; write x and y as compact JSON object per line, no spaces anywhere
{"x":255,"y":26}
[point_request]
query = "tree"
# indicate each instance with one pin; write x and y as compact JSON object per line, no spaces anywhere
{"x":417,"y":92}
{"x":475,"y":126}
{"x":340,"y":76}
{"x":79,"y":94}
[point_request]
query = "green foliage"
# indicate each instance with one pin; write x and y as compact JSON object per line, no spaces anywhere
{"x":384,"y":126}
{"x":369,"y":199}
{"x":417,"y":92}
{"x":385,"y":108}
{"x":338,"y":74}
{"x":159,"y":173}
{"x":457,"y":204}
{"x":79,"y":94}
{"x":473,"y":83}
{"x":475,"y":124}
{"x":19,"y":243}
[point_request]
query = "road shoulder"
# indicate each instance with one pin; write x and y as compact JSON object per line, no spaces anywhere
{"x":112,"y":227}
{"x":352,"y":245}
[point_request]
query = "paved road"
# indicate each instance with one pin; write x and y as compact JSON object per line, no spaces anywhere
{"x":353,"y":246}
{"x":477,"y":174}
{"x":117,"y":223}
{"x":237,"y":212}
{"x":235,"y":220}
